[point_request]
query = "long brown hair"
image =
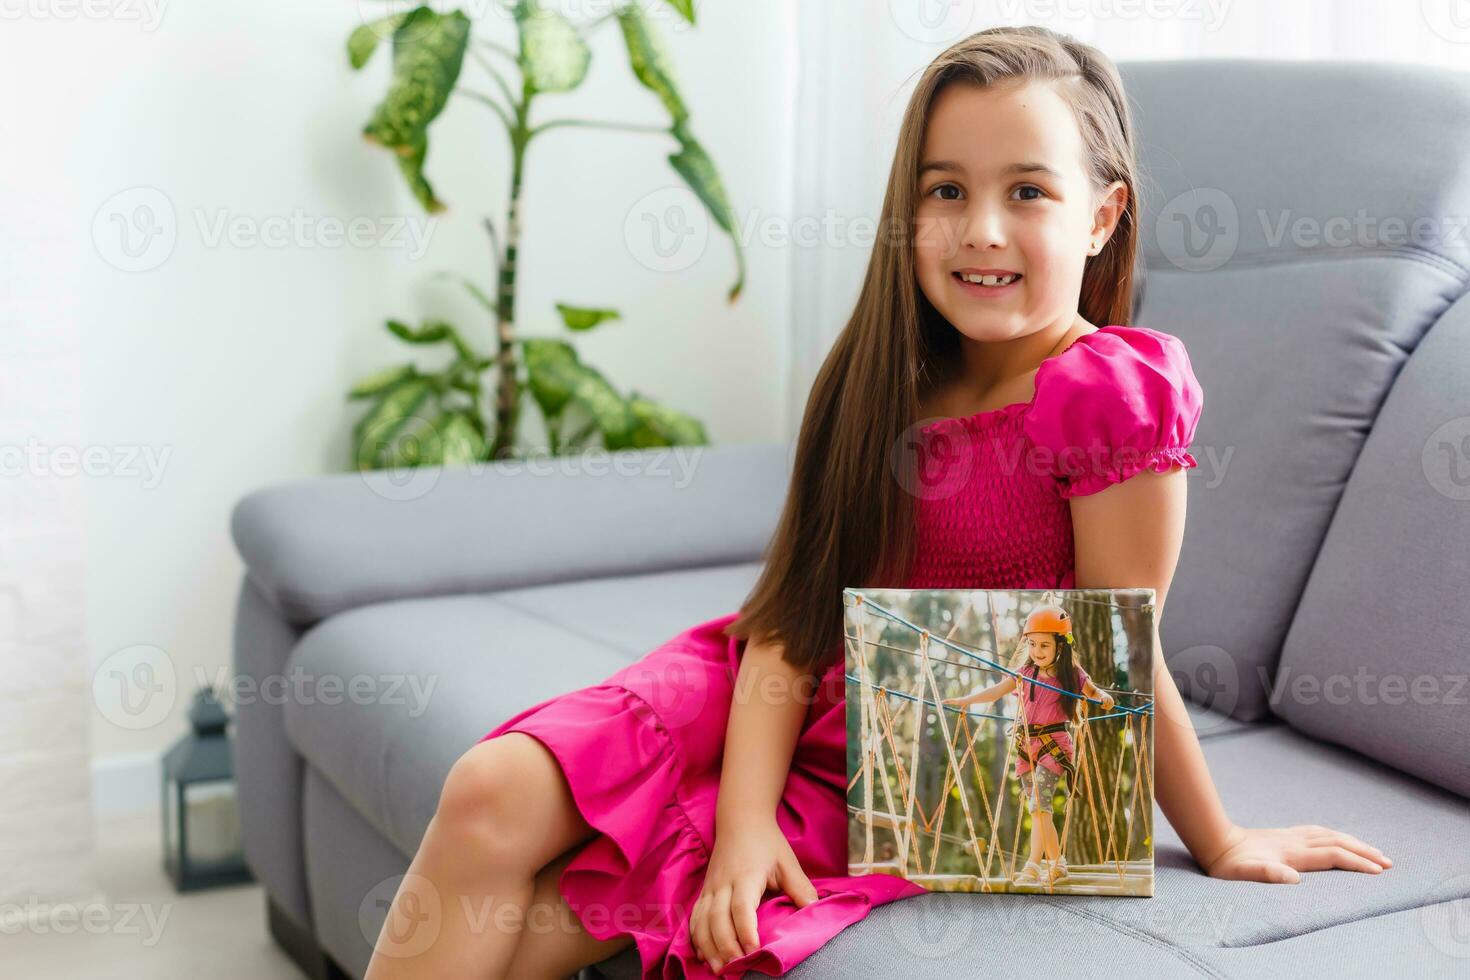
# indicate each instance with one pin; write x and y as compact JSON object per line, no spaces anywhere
{"x":848,"y":520}
{"x":1065,"y":667}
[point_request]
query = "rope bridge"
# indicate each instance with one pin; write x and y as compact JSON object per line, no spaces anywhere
{"x":912,"y":827}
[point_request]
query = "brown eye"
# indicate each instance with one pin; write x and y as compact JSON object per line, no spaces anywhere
{"x":943,"y":187}
{"x":1031,"y":187}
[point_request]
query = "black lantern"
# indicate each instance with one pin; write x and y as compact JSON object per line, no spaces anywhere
{"x":201,"y":819}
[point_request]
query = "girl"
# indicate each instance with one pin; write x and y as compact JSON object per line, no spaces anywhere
{"x":1043,"y":740}
{"x":694,"y":803}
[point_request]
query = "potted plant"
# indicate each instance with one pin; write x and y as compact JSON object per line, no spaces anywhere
{"x":469,"y":409}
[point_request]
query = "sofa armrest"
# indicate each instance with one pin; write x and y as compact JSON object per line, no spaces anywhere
{"x":317,"y":547}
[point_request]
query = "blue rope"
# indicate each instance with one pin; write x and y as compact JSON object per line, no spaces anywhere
{"x":982,"y":714}
{"x":1138,"y":709}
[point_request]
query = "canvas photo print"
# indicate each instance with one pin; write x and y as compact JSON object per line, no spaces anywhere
{"x":1001,"y":740}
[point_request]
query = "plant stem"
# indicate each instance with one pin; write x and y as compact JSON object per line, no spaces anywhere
{"x":498,"y":48}
{"x":600,"y":124}
{"x":499,"y":80}
{"x":507,"y":394}
{"x":482,"y":97}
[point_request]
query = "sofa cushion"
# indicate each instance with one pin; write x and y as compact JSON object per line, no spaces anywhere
{"x":1375,"y":658}
{"x":1272,"y":776}
{"x":1300,"y":279}
{"x":1406,"y":921}
{"x":1295,"y":359}
{"x":634,"y":613}
{"x":318,"y":547}
{"x":436,"y":674}
{"x":1212,"y":724}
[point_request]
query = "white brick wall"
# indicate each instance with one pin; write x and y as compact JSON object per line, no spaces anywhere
{"x":45,"y":796}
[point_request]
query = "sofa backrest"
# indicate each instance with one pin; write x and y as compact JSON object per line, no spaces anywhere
{"x":1304,"y":233}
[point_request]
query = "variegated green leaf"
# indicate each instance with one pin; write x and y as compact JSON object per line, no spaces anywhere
{"x":428,"y":51}
{"x":698,"y":170}
{"x":685,"y":8}
{"x":429,"y":333}
{"x":650,"y":60}
{"x":610,"y":410}
{"x":421,"y":445}
{"x":363,"y":41}
{"x":381,"y":381}
{"x":433,"y":332}
{"x":653,"y":67}
{"x":411,"y":165}
{"x":558,"y":378}
{"x":374,"y":433}
{"x":585,"y":318}
{"x":462,"y":442}
{"x":553,"y":55}
{"x":551,"y":367}
{"x":659,"y":425}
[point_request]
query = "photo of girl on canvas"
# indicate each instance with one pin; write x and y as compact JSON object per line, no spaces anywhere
{"x":1056,"y":690}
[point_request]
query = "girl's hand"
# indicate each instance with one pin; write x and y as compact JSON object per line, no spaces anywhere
{"x":743,"y":865}
{"x":1107,"y":701}
{"x":1276,"y":854}
{"x":955,"y":702}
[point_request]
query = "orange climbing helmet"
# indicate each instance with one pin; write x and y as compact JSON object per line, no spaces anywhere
{"x":1049,"y":619}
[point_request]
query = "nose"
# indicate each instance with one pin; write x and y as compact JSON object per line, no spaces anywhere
{"x":984,"y":226}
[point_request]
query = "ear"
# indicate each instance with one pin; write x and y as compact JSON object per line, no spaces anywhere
{"x":1111,"y":204}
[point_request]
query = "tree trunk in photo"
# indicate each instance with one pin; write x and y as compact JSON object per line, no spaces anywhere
{"x":1087,"y":838}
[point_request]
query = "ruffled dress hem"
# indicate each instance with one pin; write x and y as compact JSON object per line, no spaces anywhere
{"x":1160,"y":460}
{"x":619,"y":883}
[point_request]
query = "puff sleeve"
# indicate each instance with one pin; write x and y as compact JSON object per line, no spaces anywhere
{"x":1118,"y":401}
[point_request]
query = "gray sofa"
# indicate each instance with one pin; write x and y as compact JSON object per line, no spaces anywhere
{"x":1319,"y":614}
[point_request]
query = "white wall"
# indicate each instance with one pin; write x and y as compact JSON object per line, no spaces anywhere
{"x":45,"y":800}
{"x":224,"y":366}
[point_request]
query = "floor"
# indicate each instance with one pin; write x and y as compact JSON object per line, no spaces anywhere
{"x":146,"y":930}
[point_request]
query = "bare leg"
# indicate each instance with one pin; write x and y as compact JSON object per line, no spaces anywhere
{"x":1038,"y":834}
{"x":504,"y":813}
{"x":1050,"y":845}
{"x":553,"y":943}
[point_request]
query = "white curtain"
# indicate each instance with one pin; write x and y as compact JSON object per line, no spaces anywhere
{"x":858,"y":60}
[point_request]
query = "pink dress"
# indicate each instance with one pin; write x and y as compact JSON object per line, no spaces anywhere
{"x":1044,"y":707}
{"x":642,"y":749}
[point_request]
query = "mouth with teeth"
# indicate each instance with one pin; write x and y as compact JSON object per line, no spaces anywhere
{"x":986,"y":283}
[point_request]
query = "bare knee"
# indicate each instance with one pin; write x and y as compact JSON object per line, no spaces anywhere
{"x":495,"y":803}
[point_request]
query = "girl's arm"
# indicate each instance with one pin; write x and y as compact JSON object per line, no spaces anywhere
{"x":994,"y":692}
{"x":770,"y":702}
{"x":1128,"y":535}
{"x":1093,"y":691}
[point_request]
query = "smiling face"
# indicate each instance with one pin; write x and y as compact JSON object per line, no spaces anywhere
{"x":1042,"y":649}
{"x":1003,"y":190}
